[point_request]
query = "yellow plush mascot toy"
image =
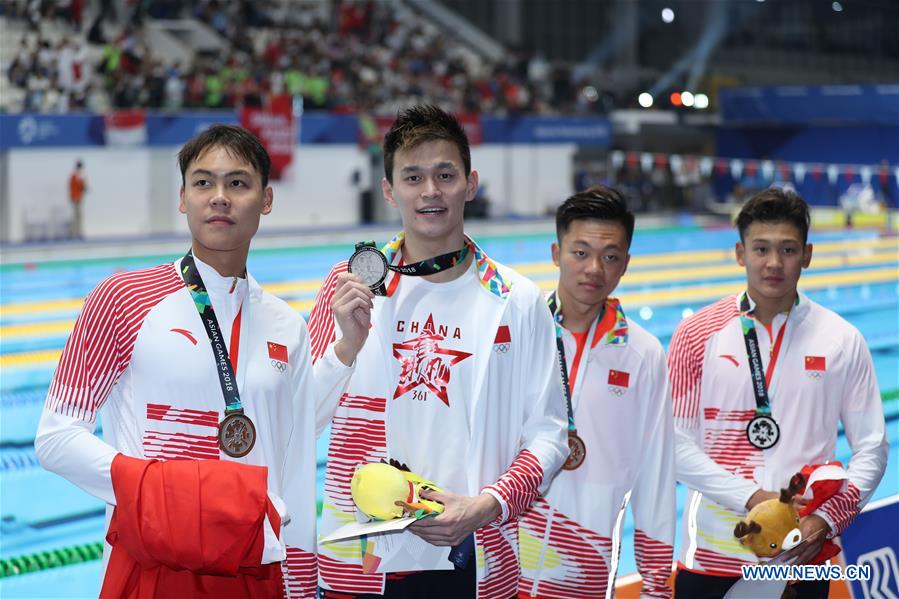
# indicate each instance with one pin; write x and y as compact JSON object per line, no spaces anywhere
{"x":384,"y":491}
{"x":772,"y":526}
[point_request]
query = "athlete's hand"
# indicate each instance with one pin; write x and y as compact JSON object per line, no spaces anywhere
{"x":461,"y":516}
{"x":763,"y":495}
{"x":760,"y":496}
{"x":352,"y":304}
{"x":815,"y":529}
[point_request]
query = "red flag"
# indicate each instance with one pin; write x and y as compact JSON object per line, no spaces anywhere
{"x":503,"y":335}
{"x":618,"y":378}
{"x":125,"y":128}
{"x":275,"y":126}
{"x":815,"y":363}
{"x":276,"y":351}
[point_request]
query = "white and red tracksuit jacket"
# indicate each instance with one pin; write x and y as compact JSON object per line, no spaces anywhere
{"x":823,"y":376}
{"x":459,"y":381}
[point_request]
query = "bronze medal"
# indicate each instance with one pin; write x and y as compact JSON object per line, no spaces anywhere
{"x":577,"y":452}
{"x":237,"y":435}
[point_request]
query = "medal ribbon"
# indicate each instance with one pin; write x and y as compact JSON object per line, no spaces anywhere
{"x":555,"y":308}
{"x":431,"y":265}
{"x":225,"y":367}
{"x":760,"y":382}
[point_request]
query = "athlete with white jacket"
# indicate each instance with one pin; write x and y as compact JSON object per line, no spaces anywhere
{"x":620,"y":427}
{"x":760,"y":383}
{"x":230,"y":386}
{"x":457,"y":380}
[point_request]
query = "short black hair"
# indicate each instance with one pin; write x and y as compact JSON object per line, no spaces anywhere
{"x":596,"y":203}
{"x":418,"y":124}
{"x":237,"y":141}
{"x":775,"y":205}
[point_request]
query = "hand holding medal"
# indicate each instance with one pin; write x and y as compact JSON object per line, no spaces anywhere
{"x":371,"y":266}
{"x":352,"y":305}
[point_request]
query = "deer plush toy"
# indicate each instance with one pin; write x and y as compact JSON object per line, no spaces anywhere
{"x":772,"y":526}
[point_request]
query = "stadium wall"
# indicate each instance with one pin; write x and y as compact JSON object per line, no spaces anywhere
{"x":134,"y":191}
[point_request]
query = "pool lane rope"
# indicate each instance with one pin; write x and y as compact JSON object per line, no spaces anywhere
{"x":52,"y":558}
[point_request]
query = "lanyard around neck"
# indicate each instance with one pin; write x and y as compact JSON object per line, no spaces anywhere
{"x":555,"y":308}
{"x":225,"y":366}
{"x":760,"y":381}
{"x":433,"y":265}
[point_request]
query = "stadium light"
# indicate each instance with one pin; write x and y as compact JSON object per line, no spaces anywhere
{"x":645,"y":100}
{"x":667,"y":15}
{"x":687,"y":99}
{"x":837,"y":7}
{"x":675,"y":99}
{"x":701,"y":101}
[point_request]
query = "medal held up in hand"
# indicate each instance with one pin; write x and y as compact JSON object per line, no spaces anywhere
{"x":370,"y":264}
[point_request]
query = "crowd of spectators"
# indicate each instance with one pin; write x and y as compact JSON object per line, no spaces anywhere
{"x":359,"y":55}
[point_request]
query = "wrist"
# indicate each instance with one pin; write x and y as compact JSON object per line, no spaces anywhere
{"x":759,"y":496}
{"x":489,"y":509}
{"x":346,"y":352}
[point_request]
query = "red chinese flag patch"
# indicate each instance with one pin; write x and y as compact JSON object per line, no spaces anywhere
{"x":815,"y":363}
{"x":618,"y":378}
{"x":276,"y":351}
{"x":503,"y":335}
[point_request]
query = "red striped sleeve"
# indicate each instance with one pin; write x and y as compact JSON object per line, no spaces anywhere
{"x":321,"y":318}
{"x":99,"y":348}
{"x":654,"y":559}
{"x":348,"y":577}
{"x":501,"y":561}
{"x":686,"y":353}
{"x":518,"y":485}
{"x":842,"y":508}
{"x":300,"y":572}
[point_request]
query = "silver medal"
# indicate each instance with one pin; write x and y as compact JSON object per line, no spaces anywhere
{"x":370,"y":265}
{"x":763,"y":432}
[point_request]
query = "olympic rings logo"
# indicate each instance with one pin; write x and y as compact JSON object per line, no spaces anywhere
{"x":279,"y":365}
{"x":501,"y":348}
{"x":619,"y":391}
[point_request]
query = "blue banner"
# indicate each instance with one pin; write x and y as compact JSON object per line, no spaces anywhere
{"x":168,"y":129}
{"x":804,"y":105}
{"x":50,"y":130}
{"x":873,"y":540}
{"x":842,"y":145}
{"x":584,"y":131}
{"x":173,"y":129}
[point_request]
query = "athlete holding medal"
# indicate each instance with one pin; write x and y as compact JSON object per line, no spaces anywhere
{"x":619,"y":420}
{"x":458,"y":380}
{"x":210,"y":407}
{"x":760,"y":383}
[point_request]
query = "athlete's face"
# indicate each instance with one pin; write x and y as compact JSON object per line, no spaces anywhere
{"x":430,"y":190}
{"x":592,"y":257}
{"x":773,"y":255}
{"x":223,"y":199}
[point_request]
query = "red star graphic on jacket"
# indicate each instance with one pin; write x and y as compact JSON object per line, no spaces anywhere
{"x":426,"y":363}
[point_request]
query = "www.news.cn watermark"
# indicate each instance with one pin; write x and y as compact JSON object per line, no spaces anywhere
{"x":805,"y":572}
